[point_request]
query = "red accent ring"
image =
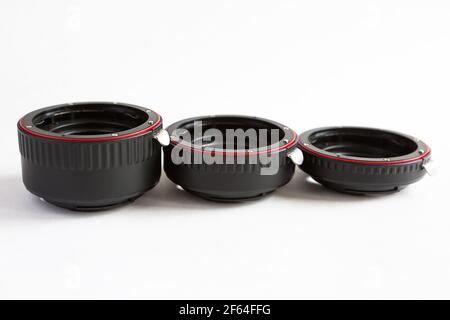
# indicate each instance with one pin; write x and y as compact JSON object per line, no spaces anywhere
{"x":87,"y":139}
{"x":424,"y":155}
{"x":237,"y":154}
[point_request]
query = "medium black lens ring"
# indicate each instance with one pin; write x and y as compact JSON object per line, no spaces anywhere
{"x":230,"y":181}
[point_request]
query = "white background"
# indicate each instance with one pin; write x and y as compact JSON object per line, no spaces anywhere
{"x":302,"y":63}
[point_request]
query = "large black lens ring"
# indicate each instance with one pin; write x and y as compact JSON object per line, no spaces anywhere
{"x":235,"y":181}
{"x":90,"y":155}
{"x":360,"y":160}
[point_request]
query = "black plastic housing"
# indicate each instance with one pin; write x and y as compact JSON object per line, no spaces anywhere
{"x":363,"y":160}
{"x":90,"y":156}
{"x":238,"y":177}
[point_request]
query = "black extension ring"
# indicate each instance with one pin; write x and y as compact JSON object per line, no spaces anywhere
{"x":239,"y":177}
{"x":90,"y":155}
{"x":363,"y":160}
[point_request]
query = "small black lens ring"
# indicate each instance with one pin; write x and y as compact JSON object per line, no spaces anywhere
{"x":360,"y":160}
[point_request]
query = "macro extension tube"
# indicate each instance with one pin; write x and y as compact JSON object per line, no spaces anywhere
{"x":96,"y":155}
{"x":91,"y":155}
{"x":363,"y":160}
{"x":240,"y":173}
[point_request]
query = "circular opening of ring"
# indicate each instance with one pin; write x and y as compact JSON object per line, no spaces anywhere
{"x":362,"y":143}
{"x":230,"y":133}
{"x":89,"y":119}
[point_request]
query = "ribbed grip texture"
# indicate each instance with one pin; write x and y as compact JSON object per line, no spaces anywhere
{"x":239,"y":165}
{"x":361,"y":169}
{"x":86,"y":156}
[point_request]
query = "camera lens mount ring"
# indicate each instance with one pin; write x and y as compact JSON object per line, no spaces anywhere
{"x":362,"y":160}
{"x":241,"y":175}
{"x":90,"y":155}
